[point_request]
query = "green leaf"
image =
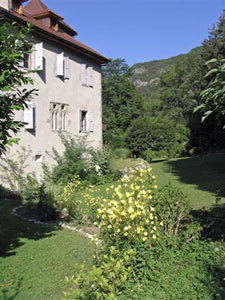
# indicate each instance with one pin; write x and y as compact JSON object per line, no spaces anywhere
{"x":213,"y":60}
{"x":206,"y":115}
{"x":198,"y":107}
{"x":212,"y":71}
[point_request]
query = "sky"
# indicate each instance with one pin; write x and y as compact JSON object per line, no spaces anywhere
{"x":140,"y":30}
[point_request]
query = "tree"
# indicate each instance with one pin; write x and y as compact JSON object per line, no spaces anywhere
{"x":121,"y":102}
{"x":214,"y":94}
{"x":213,"y":71}
{"x":15,"y":43}
{"x":181,"y":87}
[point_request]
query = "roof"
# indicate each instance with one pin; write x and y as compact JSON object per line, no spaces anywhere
{"x":37,"y":7}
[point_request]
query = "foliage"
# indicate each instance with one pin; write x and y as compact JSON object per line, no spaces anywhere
{"x":214,"y":95}
{"x":146,"y":76}
{"x":79,"y":159}
{"x":191,"y":272}
{"x":15,"y":43}
{"x":31,"y":194}
{"x":137,"y":226}
{"x":181,"y":87}
{"x":13,"y":170}
{"x":121,"y":103}
{"x":157,"y":134}
{"x":147,"y":155}
{"x":122,"y":153}
{"x":104,"y":281}
{"x":66,"y":198}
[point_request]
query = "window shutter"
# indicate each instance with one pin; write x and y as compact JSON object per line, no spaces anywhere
{"x":59,"y":64}
{"x":29,"y":115}
{"x":83,"y":74}
{"x":80,"y":121}
{"x":32,"y":60}
{"x":66,"y":68}
{"x":90,"y":76}
{"x":21,"y":63}
{"x":90,"y":121}
{"x":38,"y":56}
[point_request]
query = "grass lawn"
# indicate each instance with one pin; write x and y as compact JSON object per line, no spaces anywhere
{"x":202,"y":177}
{"x":120,"y":163}
{"x":34,"y":259}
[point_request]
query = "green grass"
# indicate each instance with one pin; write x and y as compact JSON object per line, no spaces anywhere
{"x":202,"y":177}
{"x":120,"y":163}
{"x":34,"y":259}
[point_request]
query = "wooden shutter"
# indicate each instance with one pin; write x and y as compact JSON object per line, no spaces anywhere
{"x":4,"y":4}
{"x":80,"y":121}
{"x":29,"y":115}
{"x":90,"y":76}
{"x":38,"y":56}
{"x":83,"y":74}
{"x":90,"y":121}
{"x":59,"y":64}
{"x":66,"y":68}
{"x":21,"y":63}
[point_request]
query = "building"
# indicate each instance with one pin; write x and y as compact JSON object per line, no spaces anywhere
{"x":68,"y":80}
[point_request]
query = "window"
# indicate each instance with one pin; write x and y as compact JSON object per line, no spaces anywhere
{"x":59,"y":113}
{"x":29,"y":115}
{"x":86,"y":121}
{"x":33,"y":60}
{"x":86,"y":75}
{"x":62,"y":66}
{"x":83,"y":120}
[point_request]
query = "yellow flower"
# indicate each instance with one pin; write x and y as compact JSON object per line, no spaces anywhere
{"x":154,"y":237}
{"x":144,"y":239}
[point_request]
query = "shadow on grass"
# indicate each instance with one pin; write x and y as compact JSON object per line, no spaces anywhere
{"x":13,"y":229}
{"x":213,"y":222}
{"x":5,"y":293}
{"x":207,"y":172}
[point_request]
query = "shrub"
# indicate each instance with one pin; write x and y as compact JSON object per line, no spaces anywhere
{"x":66,"y":198}
{"x":157,"y":134}
{"x":79,"y":159}
{"x":32,"y":193}
{"x":122,"y":153}
{"x":114,"y":137}
{"x":13,"y":170}
{"x":147,"y":155}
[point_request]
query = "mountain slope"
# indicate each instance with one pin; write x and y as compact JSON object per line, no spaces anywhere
{"x":146,"y":75}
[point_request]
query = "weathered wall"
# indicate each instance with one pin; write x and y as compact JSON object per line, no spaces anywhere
{"x":67,"y":91}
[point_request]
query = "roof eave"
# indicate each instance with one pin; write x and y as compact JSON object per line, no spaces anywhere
{"x":99,"y":58}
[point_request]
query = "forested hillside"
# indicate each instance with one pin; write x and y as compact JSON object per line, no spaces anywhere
{"x":146,"y":75}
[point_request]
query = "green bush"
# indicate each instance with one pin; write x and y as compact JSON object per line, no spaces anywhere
{"x":147,"y":155}
{"x":157,"y":134}
{"x":122,"y":153}
{"x":134,"y":216}
{"x":115,"y":138}
{"x":79,"y":159}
